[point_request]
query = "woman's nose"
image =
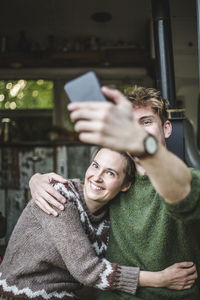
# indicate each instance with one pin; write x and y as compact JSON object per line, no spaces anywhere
{"x":98,"y":177}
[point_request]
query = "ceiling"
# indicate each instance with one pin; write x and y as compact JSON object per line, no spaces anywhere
{"x":72,"y":19}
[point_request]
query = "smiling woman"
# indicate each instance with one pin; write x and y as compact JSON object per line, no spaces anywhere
{"x":110,"y":172}
{"x":74,"y":255}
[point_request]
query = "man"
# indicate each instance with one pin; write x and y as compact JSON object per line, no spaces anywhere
{"x":158,"y":221}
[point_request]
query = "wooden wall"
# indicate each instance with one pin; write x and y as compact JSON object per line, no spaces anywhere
{"x":18,"y":164}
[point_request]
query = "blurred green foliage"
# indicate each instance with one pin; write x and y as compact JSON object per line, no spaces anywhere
{"x":26,"y":94}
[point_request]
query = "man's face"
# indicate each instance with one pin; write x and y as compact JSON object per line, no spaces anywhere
{"x":151,"y":122}
{"x":104,"y":177}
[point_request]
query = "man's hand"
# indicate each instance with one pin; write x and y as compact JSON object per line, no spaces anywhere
{"x":108,"y":124}
{"x":44,"y":194}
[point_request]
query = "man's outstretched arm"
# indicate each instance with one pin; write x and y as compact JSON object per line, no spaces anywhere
{"x":113,"y":125}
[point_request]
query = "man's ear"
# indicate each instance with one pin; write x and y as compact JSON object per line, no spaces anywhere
{"x":126,"y":187}
{"x":167,"y":129}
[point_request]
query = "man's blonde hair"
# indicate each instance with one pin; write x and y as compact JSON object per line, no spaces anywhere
{"x":141,"y":96}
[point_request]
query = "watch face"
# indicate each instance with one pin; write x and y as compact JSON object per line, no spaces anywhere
{"x":151,"y":145}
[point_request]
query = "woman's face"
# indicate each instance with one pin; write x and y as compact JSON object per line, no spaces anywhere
{"x":104,"y":177}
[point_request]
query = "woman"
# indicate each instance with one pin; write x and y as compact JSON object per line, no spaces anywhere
{"x":50,"y":258}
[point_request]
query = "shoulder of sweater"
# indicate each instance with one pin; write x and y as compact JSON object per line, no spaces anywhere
{"x":44,"y":219}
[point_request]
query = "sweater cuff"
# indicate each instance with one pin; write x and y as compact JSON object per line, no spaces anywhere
{"x":128,"y":279}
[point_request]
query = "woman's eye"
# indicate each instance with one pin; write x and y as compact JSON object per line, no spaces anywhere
{"x":95,"y":165}
{"x":110,"y":173}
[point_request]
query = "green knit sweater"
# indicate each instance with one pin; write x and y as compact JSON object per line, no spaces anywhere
{"x":147,"y":232}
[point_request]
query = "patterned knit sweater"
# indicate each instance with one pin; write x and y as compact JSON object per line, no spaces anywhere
{"x":50,"y":258}
{"x":153,"y":235}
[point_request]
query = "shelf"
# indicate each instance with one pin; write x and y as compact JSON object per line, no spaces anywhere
{"x":107,"y":56}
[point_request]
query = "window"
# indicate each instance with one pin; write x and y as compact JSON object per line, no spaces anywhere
{"x":26,"y":94}
{"x":26,"y":106}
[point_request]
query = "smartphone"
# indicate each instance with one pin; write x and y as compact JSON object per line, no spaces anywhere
{"x":84,"y":88}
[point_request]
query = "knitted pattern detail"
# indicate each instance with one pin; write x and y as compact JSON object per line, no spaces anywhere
{"x":30,"y":294}
{"x":94,"y":233}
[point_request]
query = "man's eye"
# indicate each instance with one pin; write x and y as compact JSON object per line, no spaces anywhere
{"x":147,"y":122}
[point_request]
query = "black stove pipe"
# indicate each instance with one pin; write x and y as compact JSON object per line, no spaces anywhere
{"x":165,"y":79}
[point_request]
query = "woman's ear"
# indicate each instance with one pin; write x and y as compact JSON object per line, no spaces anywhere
{"x":167,"y":129}
{"x":126,"y":187}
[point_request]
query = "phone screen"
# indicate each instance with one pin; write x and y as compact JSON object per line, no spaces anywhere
{"x":84,"y":88}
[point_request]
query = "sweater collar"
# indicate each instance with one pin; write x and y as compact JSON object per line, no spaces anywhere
{"x":100,"y":214}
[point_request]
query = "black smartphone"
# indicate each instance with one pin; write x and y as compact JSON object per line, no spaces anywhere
{"x":84,"y":88}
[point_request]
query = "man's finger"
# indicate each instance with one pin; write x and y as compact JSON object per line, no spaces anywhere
{"x":86,"y":114}
{"x":46,"y":207}
{"x":56,"y":177}
{"x":86,"y":126}
{"x":91,"y":105}
{"x":50,"y":194}
{"x":91,"y":138}
{"x":51,"y":199}
{"x":97,"y":139}
{"x":114,"y":95}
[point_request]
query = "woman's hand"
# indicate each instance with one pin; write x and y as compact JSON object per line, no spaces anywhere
{"x":180,"y":276}
{"x":44,"y":194}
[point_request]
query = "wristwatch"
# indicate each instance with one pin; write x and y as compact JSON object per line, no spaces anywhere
{"x":150,"y":146}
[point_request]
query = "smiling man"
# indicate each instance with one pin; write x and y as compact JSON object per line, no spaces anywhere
{"x":158,"y":220}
